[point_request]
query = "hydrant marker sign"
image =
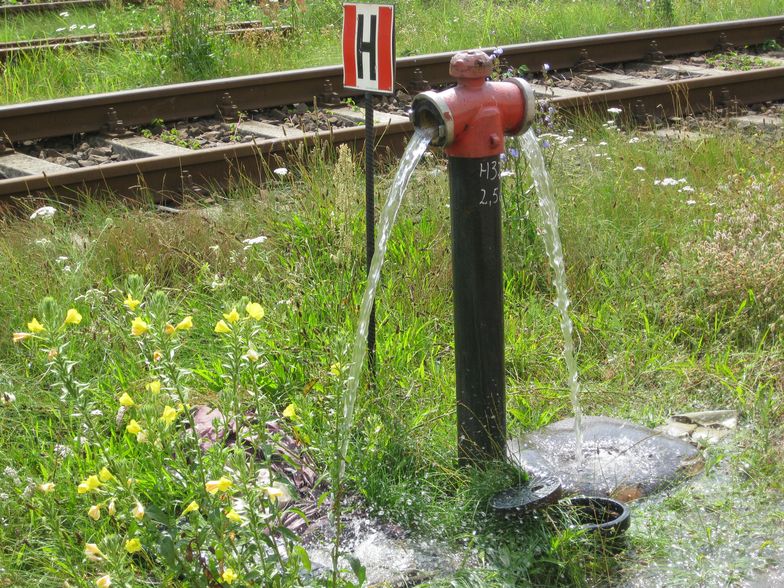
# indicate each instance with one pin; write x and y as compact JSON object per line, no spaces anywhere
{"x":369,"y":47}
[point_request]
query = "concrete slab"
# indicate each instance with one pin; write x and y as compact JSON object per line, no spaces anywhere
{"x":678,"y":134}
{"x":268,"y":131}
{"x":139,"y":147}
{"x":553,"y":92}
{"x":622,"y":80}
{"x":18,"y":165}
{"x":695,"y":70}
{"x":379,"y":118}
{"x":620,"y":459}
{"x":758,"y":120}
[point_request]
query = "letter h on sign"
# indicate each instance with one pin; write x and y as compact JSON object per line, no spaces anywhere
{"x":369,"y":47}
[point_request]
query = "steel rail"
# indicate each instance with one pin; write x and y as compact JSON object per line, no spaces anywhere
{"x":67,"y":116}
{"x":164,"y":176}
{"x":13,"y":48}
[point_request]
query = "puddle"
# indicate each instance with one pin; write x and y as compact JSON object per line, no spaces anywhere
{"x":713,"y":531}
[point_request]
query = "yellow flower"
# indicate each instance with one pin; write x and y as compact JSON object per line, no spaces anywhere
{"x":138,"y":511}
{"x":255,"y":311}
{"x":19,"y":337}
{"x":277,"y":492}
{"x":92,"y":552}
{"x":105,"y":475}
{"x":290,"y":412}
{"x":154,"y":386}
{"x":157,"y":355}
{"x":46,"y":487}
{"x":104,"y":581}
{"x":192,"y":507}
{"x":94,"y":512}
{"x":233,"y":516}
{"x":169,"y":414}
{"x":133,"y":427}
{"x":88,"y":485}
{"x":35,"y":326}
{"x":335,"y":369}
{"x":169,"y":329}
{"x":214,"y":486}
{"x":252,"y":355}
{"x":185,"y":324}
{"x":126,"y":400}
{"x":229,"y":575}
{"x":133,"y":545}
{"x":222,"y":327}
{"x":233,"y":316}
{"x":139,"y":327}
{"x":131,"y":302}
{"x":111,"y":509}
{"x":72,"y":317}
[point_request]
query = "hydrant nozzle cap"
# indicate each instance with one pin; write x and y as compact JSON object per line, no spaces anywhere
{"x":470,"y":65}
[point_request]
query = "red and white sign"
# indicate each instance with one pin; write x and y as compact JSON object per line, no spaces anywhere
{"x":369,"y":47}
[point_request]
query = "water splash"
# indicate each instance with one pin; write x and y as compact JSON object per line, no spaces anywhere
{"x":414,"y":151}
{"x":552,"y":245}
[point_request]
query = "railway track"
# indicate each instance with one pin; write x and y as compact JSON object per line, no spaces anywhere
{"x":646,"y":74}
{"x":16,"y":48}
{"x":8,"y":10}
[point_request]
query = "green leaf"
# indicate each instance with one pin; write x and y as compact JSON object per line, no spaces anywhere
{"x":358,"y":569}
{"x":166,"y":549}
{"x":303,"y":556}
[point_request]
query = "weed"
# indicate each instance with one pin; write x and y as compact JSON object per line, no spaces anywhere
{"x":191,"y":45}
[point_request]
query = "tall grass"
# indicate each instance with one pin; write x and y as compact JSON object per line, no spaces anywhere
{"x":650,"y":343}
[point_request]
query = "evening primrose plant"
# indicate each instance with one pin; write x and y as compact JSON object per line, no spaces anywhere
{"x":152,"y":498}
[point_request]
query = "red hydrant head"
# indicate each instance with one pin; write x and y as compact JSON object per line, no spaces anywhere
{"x":471,"y":119}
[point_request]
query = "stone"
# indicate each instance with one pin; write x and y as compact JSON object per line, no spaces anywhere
{"x":676,"y":429}
{"x":621,"y":459}
{"x":727,"y":419}
{"x":211,"y":136}
{"x":709,"y":435}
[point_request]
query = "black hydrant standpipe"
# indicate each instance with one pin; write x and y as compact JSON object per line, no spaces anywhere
{"x":470,"y":121}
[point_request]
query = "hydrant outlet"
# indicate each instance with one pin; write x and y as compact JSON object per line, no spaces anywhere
{"x":472,"y":118}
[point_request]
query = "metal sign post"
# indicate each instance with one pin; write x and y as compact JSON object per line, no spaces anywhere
{"x":369,"y":65}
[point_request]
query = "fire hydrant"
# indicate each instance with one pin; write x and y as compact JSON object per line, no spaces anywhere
{"x":470,"y":122}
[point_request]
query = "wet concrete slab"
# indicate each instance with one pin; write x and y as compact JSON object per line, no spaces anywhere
{"x":621,"y":459}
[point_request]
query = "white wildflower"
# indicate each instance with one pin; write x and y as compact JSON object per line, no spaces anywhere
{"x":254,"y":241}
{"x":43,"y":212}
{"x":639,"y":168}
{"x":280,"y":171}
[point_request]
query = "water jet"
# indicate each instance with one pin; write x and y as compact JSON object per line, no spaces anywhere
{"x":470,"y":121}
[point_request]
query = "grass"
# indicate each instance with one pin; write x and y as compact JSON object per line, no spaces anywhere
{"x":671,"y":315}
{"x":114,"y":19}
{"x":422,"y":27}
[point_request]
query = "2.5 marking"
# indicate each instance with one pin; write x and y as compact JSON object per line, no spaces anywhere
{"x":492,"y":198}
